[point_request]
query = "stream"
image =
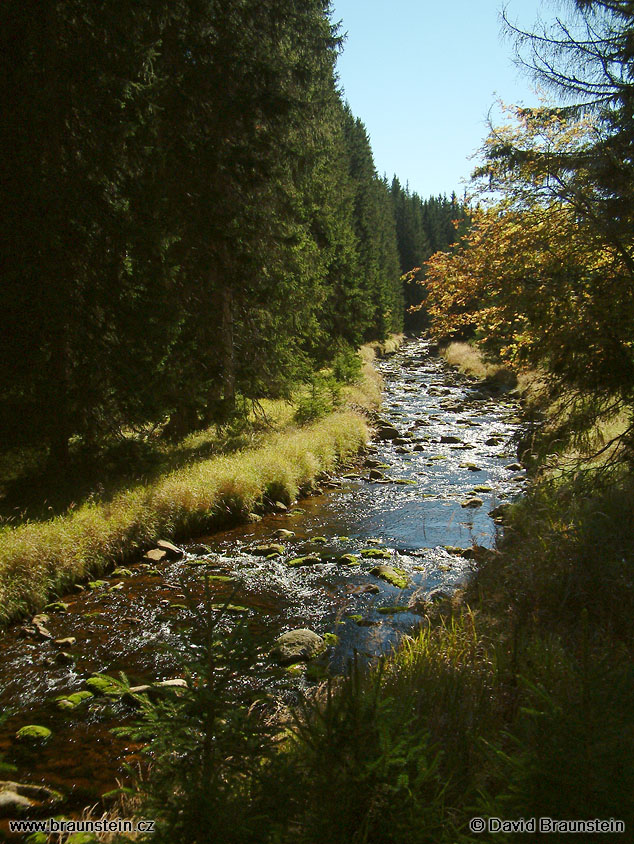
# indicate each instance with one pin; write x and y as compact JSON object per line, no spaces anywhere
{"x":453,"y":450}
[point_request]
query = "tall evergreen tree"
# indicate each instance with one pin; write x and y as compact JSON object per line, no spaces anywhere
{"x":75,"y":84}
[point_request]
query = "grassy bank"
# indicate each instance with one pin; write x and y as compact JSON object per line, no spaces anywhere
{"x":40,"y":559}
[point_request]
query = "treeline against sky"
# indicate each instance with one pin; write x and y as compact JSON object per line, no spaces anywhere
{"x":193,"y":216}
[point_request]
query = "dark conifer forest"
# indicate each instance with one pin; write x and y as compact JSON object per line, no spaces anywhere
{"x":193,"y":218}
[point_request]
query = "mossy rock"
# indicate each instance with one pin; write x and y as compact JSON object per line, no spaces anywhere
{"x":297,"y":646}
{"x":267,"y":550}
{"x":405,"y":482}
{"x":119,"y":572}
{"x":33,"y":734}
{"x":117,"y":587}
{"x":154,"y":573}
{"x":232,"y":608}
{"x":395,"y":577}
{"x":393,"y":610}
{"x":482,"y":488}
{"x":307,"y":560}
{"x":376,"y":554}
{"x":318,"y":540}
{"x":98,"y":584}
{"x":274,"y":556}
{"x":219,"y":578}
{"x":58,"y":606}
{"x":331,"y":639}
{"x":102,"y":685}
{"x":343,"y":538}
{"x":74,"y":700}
{"x":348,"y":560}
{"x":355,"y":617}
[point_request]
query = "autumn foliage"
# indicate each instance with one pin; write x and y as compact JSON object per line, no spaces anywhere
{"x":541,"y":279}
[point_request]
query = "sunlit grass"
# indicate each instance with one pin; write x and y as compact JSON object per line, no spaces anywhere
{"x":469,"y":360}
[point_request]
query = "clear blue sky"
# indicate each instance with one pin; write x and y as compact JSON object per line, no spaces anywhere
{"x":422,"y":76}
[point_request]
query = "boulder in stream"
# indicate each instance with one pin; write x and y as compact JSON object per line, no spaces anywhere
{"x":307,"y":560}
{"x":33,"y":734}
{"x":376,"y":554}
{"x":395,"y":577}
{"x":267,"y":550}
{"x":18,"y":797}
{"x":155,"y":555}
{"x":299,"y":645}
{"x":387,"y":432}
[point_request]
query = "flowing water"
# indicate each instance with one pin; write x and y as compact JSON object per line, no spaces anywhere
{"x":454,"y":445}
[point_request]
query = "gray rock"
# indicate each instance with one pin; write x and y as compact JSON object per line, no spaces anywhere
{"x":173,"y":552}
{"x":387,"y":432}
{"x":282,"y":533}
{"x":155,"y":555}
{"x":16,"y":797}
{"x":297,"y":646}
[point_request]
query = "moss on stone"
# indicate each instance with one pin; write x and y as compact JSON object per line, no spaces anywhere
{"x":349,"y":560}
{"x":376,"y":553}
{"x":74,"y":700}
{"x":101,"y":684}
{"x":393,"y":576}
{"x":307,"y":560}
{"x":33,"y":733}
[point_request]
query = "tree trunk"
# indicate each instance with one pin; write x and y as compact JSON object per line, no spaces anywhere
{"x":228,"y":354}
{"x":57,"y":407}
